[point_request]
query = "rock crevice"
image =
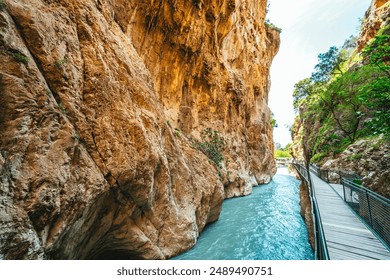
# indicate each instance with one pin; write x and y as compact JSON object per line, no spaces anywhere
{"x":99,"y":105}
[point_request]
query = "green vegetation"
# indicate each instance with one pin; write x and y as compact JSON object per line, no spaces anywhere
{"x":76,"y":137}
{"x":346,"y":98}
{"x":273,"y":120}
{"x":1,"y":4}
{"x":62,"y":109}
{"x":329,"y":65}
{"x":355,"y":157}
{"x":272,"y":26}
{"x":20,"y":57}
{"x":317,"y":157}
{"x":177,"y":132}
{"x":282,"y":154}
{"x":212,"y":145}
{"x":60,"y":63}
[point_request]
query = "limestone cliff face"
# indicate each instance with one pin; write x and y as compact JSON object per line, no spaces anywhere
{"x":99,"y":101}
{"x":377,"y":15}
{"x":210,"y":65}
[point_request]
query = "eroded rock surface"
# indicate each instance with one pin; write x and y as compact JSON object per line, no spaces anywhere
{"x":377,"y":15}
{"x":99,"y":101}
{"x":369,"y":159}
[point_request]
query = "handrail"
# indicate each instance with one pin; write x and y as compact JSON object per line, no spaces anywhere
{"x":373,"y":208}
{"x":324,"y":173}
{"x":320,"y":247}
{"x":385,"y":200}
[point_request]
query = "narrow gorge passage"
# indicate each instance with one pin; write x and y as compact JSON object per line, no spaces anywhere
{"x":263,"y":226}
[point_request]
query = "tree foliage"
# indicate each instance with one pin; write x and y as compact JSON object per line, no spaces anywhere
{"x":329,"y":64}
{"x":274,"y":122}
{"x":339,"y":103}
{"x":377,"y":53}
{"x":302,"y":90}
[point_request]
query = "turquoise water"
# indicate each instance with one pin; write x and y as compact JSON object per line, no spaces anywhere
{"x":263,"y":226}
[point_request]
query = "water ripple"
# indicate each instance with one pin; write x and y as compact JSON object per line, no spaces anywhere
{"x":263,"y":226}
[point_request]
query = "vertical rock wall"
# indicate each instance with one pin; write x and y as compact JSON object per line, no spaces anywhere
{"x":376,"y":16}
{"x":99,"y":101}
{"x":210,"y":65}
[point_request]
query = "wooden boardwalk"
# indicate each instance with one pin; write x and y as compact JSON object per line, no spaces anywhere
{"x":347,"y":237}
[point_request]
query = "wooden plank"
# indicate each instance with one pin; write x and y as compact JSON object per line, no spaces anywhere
{"x":356,"y":244}
{"x":346,"y":235}
{"x":364,"y":252}
{"x":369,"y":247}
{"x":358,"y":232}
{"x":337,"y":254}
{"x":345,"y":226}
{"x":349,"y":235}
{"x":338,"y":188}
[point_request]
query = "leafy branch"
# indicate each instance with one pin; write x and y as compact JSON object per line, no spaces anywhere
{"x":212,"y":145}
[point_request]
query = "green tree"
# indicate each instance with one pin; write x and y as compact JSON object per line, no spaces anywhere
{"x":274,"y":123}
{"x":346,"y":98}
{"x":329,"y":64}
{"x":302,"y":90}
{"x":343,"y":101}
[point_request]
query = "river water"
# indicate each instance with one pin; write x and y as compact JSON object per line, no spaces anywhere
{"x":265,"y":225}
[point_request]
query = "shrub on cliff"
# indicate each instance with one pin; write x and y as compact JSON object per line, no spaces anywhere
{"x":272,"y":26}
{"x":212,"y":145}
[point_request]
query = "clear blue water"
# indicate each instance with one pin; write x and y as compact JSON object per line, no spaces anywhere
{"x":263,"y":226}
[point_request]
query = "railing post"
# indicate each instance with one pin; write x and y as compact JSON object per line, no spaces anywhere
{"x":369,"y":208}
{"x":380,"y":214}
{"x":342,"y":182}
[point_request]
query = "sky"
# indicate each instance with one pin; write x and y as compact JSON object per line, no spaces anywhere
{"x":309,"y":27}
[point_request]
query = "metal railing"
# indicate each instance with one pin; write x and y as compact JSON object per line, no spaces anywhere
{"x":324,"y":174}
{"x":320,"y":247}
{"x":348,"y":175}
{"x":373,"y":208}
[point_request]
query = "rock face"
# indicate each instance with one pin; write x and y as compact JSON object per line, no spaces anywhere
{"x":99,"y":101}
{"x":306,"y":210}
{"x":376,"y":16}
{"x":370,"y":159}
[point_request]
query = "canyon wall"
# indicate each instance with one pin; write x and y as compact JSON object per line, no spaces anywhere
{"x":102,"y":104}
{"x":376,"y":16}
